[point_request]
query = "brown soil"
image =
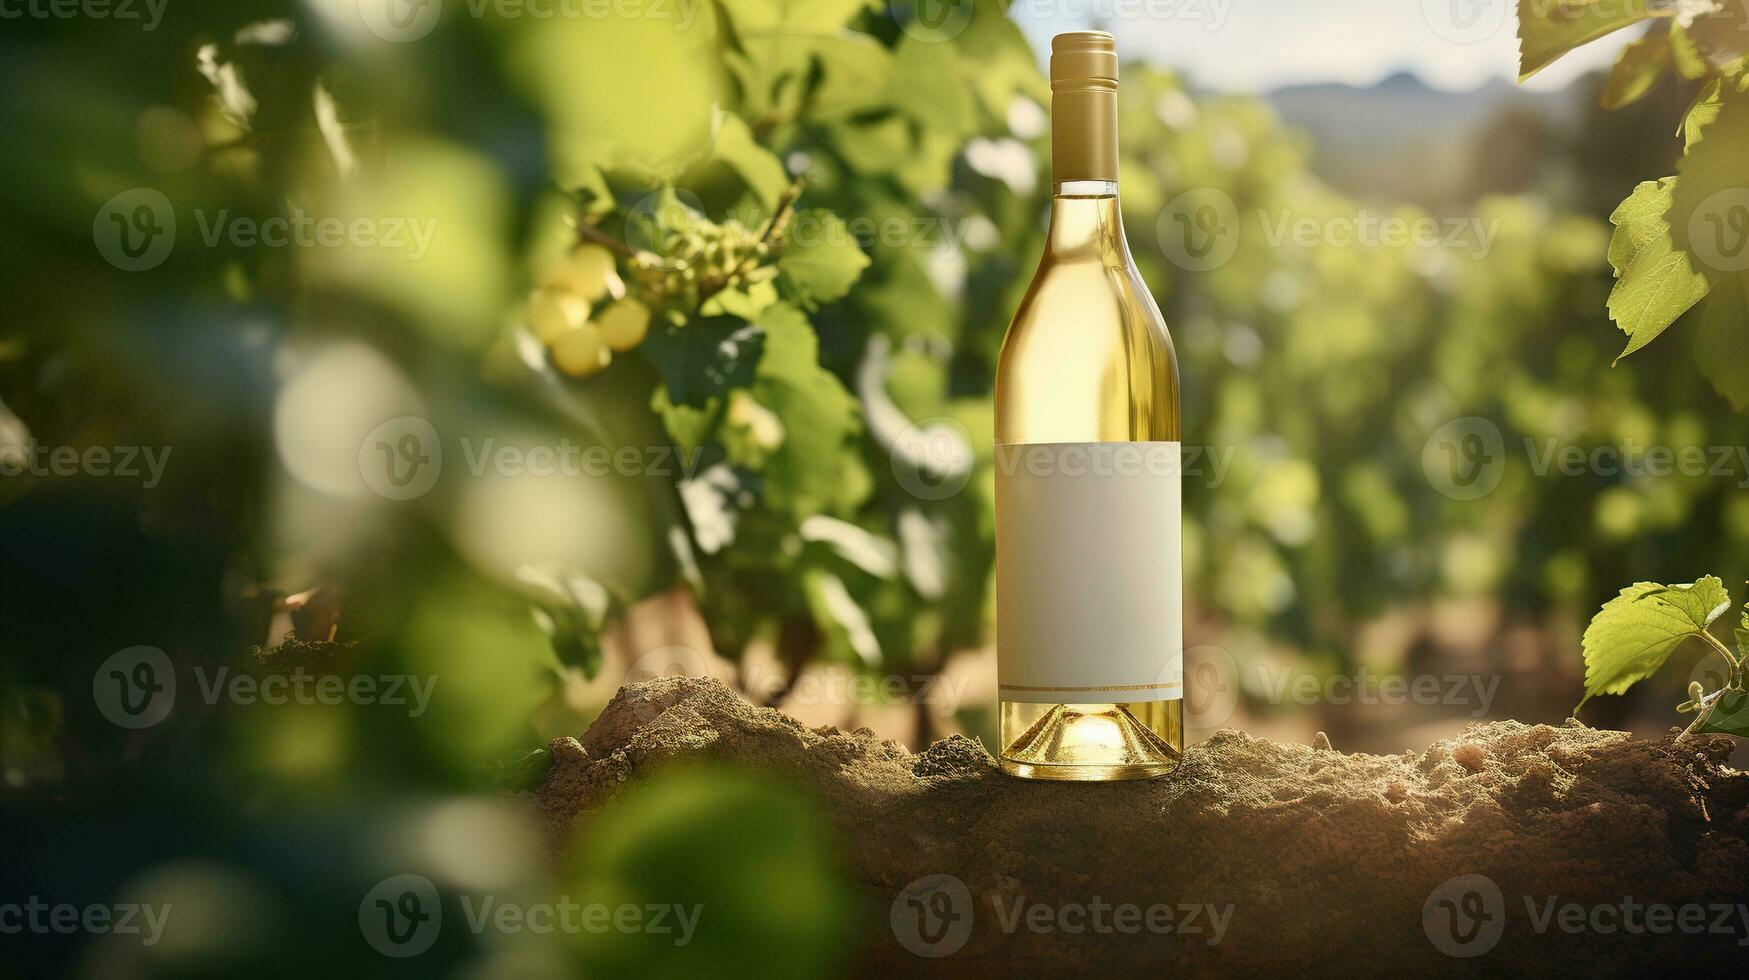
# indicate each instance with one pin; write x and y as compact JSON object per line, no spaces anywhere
{"x":1324,"y":861}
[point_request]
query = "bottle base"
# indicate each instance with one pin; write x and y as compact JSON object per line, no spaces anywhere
{"x":1086,"y":774}
{"x":1091,"y":742}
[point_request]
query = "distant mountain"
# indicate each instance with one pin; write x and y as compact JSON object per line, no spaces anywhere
{"x":1403,"y":140}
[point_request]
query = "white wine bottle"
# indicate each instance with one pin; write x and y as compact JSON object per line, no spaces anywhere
{"x":1089,"y":621}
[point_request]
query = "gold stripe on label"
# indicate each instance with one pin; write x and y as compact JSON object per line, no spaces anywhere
{"x":1169,"y":686}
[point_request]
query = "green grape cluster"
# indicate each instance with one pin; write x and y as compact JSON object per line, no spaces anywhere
{"x":704,"y":259}
{"x":583,"y":315}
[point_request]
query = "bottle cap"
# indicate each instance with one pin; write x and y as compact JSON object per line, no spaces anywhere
{"x":1084,"y":106}
{"x":1083,"y":59}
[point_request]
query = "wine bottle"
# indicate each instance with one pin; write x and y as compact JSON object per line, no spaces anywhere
{"x":1089,"y":602}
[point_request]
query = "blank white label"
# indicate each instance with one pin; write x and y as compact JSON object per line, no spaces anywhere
{"x":1089,"y":562}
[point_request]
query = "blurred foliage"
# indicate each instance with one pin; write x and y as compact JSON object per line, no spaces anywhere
{"x":1677,"y":238}
{"x":807,"y":415}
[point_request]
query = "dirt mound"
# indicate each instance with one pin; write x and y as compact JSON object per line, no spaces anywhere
{"x":1511,"y":847}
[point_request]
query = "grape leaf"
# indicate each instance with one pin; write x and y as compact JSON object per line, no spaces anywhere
{"x":1722,"y":342}
{"x":759,"y":167}
{"x":1636,"y":70}
{"x":1709,"y":204}
{"x":572,"y":609}
{"x":810,"y":470}
{"x":821,"y":260}
{"x":1704,"y":110}
{"x":1655,"y":283}
{"x":1729,"y":715}
{"x":1634,"y":633}
{"x":1548,"y":30}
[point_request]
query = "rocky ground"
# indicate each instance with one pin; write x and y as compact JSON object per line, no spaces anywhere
{"x":1513,"y":847}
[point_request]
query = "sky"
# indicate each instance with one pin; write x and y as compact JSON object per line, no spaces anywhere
{"x":1258,"y":45}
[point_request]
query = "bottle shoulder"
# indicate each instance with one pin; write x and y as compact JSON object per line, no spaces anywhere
{"x":1087,"y":358}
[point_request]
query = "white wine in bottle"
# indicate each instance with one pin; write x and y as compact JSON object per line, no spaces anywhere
{"x":1089,"y":622}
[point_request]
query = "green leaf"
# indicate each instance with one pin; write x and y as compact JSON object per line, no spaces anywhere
{"x":1709,"y":205}
{"x":746,"y":300}
{"x":704,"y":358}
{"x":1721,"y":343}
{"x":1726,"y":714}
{"x":1636,"y":70}
{"x":812,"y":468}
{"x":1655,"y":282}
{"x":572,"y":609}
{"x":1690,"y":63}
{"x":821,"y":261}
{"x":1743,"y":633}
{"x":1548,"y":30}
{"x":690,"y":426}
{"x":756,"y":165}
{"x":1704,"y":110}
{"x":1634,"y":633}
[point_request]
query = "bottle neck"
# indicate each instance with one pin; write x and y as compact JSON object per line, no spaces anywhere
{"x":1086,"y":222}
{"x":1084,"y":130}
